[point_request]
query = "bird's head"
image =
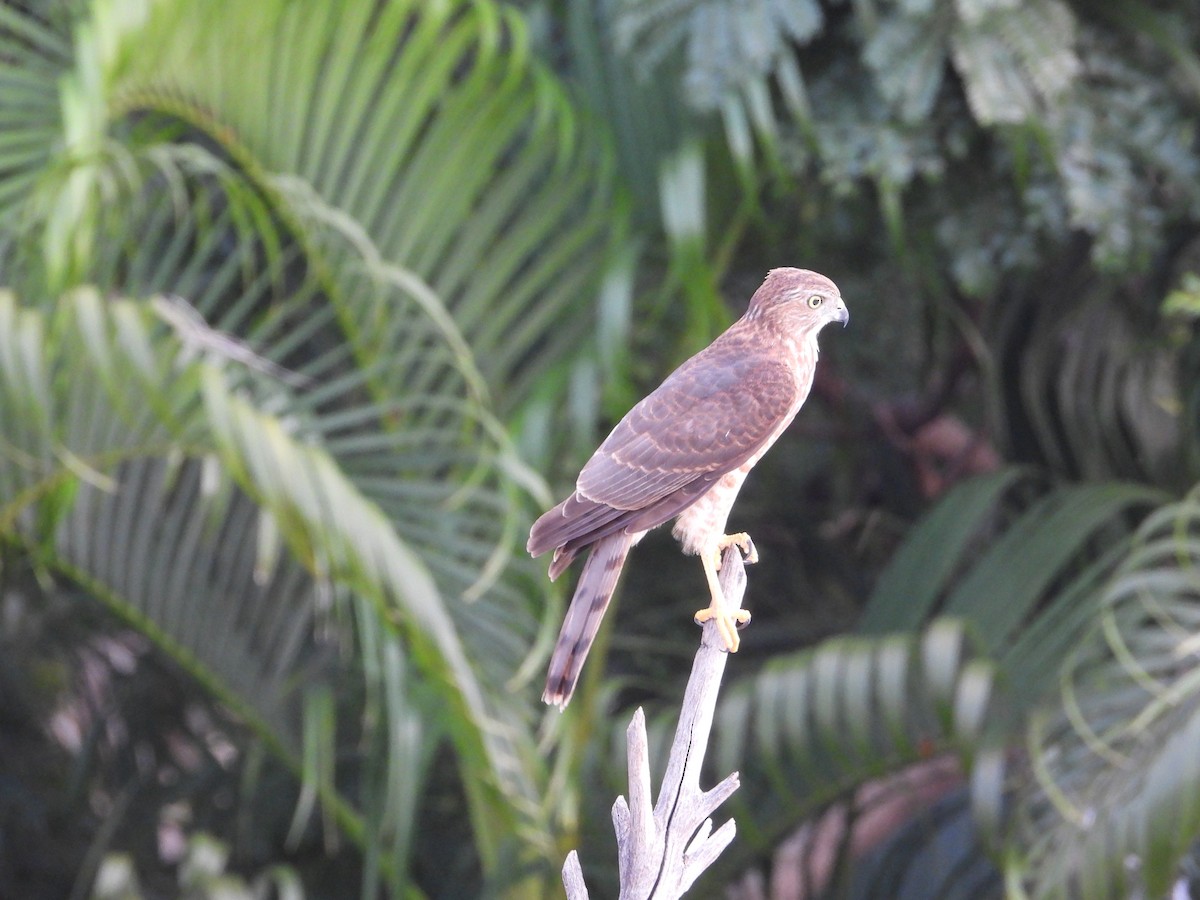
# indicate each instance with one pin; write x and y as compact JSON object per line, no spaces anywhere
{"x":798,"y":302}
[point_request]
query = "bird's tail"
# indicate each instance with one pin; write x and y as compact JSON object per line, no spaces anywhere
{"x":595,"y":589}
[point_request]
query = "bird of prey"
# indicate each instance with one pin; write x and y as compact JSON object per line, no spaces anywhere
{"x":684,"y":452}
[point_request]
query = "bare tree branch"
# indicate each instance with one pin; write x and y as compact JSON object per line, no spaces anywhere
{"x":572,"y":875}
{"x":662,"y":851}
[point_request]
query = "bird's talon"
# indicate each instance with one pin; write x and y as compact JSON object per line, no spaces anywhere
{"x":743,"y":542}
{"x":728,"y":624}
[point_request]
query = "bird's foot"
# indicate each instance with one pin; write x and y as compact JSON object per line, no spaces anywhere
{"x":728,"y":622}
{"x":742,"y":541}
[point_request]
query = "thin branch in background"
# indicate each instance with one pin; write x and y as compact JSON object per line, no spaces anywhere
{"x":663,"y":850}
{"x":198,"y":335}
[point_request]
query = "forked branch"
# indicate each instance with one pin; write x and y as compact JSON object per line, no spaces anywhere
{"x":662,"y":850}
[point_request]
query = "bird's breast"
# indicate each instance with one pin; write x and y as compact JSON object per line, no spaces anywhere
{"x":703,"y":521}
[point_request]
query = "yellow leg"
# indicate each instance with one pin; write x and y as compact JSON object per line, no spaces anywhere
{"x":727,"y":621}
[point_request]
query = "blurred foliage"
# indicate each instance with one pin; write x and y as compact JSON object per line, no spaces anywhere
{"x":1110,"y":803}
{"x":299,"y":298}
{"x":289,"y":469}
{"x":202,"y":876}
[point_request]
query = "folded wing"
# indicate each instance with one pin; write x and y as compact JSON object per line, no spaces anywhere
{"x":710,"y":416}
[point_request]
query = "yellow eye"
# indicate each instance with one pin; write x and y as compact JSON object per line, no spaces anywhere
{"x":815,"y":300}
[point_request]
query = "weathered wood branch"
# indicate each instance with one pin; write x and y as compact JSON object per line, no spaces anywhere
{"x":662,"y":850}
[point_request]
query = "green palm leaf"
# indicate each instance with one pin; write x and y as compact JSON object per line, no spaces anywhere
{"x":1112,"y":799}
{"x":1018,"y":579}
{"x":393,"y":203}
{"x":825,"y":724}
{"x":32,"y":56}
{"x":116,"y":475}
{"x":815,"y":725}
{"x":881,"y":700}
{"x":426,"y":129}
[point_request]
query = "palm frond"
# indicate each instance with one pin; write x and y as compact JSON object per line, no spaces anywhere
{"x":32,"y":57}
{"x":400,"y":333}
{"x":911,"y":585}
{"x":814,"y":726}
{"x":1019,"y":580}
{"x":316,"y":218}
{"x":832,"y":723}
{"x":113,"y":479}
{"x":118,"y":477}
{"x":1088,"y":393}
{"x":646,"y":121}
{"x":1111,"y":801}
{"x":383,"y":140}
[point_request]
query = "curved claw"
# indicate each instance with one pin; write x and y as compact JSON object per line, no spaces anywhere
{"x":743,"y":542}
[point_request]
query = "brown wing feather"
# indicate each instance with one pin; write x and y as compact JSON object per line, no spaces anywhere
{"x":608,"y":521}
{"x":710,"y":416}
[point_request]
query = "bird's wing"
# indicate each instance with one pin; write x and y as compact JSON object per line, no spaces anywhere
{"x":710,"y":416}
{"x":705,"y":420}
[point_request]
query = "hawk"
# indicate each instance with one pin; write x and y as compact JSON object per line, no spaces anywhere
{"x":684,"y":452}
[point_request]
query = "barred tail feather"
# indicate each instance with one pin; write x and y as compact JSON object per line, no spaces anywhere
{"x":595,"y":589}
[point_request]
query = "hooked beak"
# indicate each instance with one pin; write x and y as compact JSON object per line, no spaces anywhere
{"x":843,"y":314}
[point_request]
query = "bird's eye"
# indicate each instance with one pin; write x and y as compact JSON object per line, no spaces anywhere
{"x":815,"y":300}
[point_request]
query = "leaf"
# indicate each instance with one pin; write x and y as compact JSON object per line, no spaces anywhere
{"x":162,"y":545}
{"x":1015,"y":59}
{"x":732,"y":53}
{"x":908,"y":589}
{"x":1005,"y":584}
{"x":1002,"y":589}
{"x":154,"y":543}
{"x":34,"y":57}
{"x":386,"y":139}
{"x":814,"y":726}
{"x":1110,"y":807}
{"x":908,"y":57}
{"x":396,"y":205}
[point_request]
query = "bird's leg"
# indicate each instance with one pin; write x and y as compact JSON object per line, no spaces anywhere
{"x":727,"y":620}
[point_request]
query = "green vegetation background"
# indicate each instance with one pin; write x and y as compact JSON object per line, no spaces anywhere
{"x":266,"y":623}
